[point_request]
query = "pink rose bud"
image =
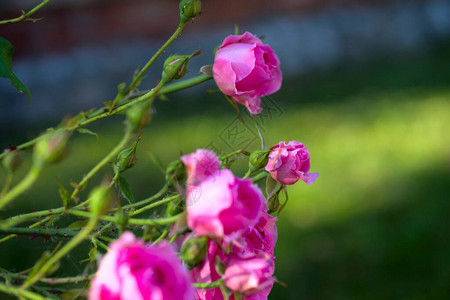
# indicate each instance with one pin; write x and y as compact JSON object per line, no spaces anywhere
{"x":224,"y":204}
{"x":289,"y":162}
{"x":133,"y":270}
{"x":200,"y":165}
{"x":250,"y":276}
{"x":246,"y":69}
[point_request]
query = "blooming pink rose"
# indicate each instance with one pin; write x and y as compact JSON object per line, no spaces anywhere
{"x":257,"y":239}
{"x":250,"y":276}
{"x":136,"y":271}
{"x":289,"y":162}
{"x":246,"y":69}
{"x":226,"y":204}
{"x":200,"y":165}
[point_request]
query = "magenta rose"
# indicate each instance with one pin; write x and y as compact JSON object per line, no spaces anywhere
{"x":224,"y":205}
{"x":200,"y":165}
{"x":250,"y":276}
{"x":289,"y":162}
{"x":133,"y":270}
{"x":246,"y":69}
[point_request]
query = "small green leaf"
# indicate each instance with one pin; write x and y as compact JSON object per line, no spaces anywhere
{"x":121,"y":87}
{"x":109,"y":104}
{"x":63,"y":193}
{"x":6,"y":71}
{"x":78,"y":224}
{"x":271,"y":186}
{"x":87,"y":131}
{"x":92,"y":253}
{"x":125,"y":188}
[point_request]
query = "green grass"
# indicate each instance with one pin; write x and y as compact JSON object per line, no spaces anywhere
{"x":375,"y":225}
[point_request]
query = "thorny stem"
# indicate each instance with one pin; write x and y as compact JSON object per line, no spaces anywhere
{"x":39,"y":231}
{"x":101,"y":164}
{"x":101,"y":113}
{"x":138,"y":77}
{"x":34,"y":225}
{"x":75,"y":279}
{"x":150,"y":222}
{"x":61,"y":253}
{"x":25,"y":16}
{"x":57,"y":211}
{"x":153,"y":205}
{"x":12,"y":290}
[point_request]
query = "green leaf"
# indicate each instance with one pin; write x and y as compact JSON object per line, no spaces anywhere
{"x":78,"y":224}
{"x":6,"y":71}
{"x":63,"y":193}
{"x":271,"y":186}
{"x":125,"y":188}
{"x":92,"y":253}
{"x":87,"y":131}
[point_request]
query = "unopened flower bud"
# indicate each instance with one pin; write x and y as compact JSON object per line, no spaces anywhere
{"x":175,"y":172}
{"x":126,"y":158}
{"x":175,"y":67}
{"x":193,"y":251}
{"x":52,"y":147}
{"x":138,"y":116}
{"x":189,"y":9}
{"x":12,"y":160}
{"x":99,"y":200}
{"x":258,"y":159}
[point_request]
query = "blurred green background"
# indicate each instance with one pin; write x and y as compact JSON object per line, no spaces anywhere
{"x":376,"y":223}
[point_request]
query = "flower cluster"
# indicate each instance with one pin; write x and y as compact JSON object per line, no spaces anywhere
{"x":232,"y":213}
{"x":231,"y":237}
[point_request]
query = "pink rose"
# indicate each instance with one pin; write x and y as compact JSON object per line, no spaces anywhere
{"x":257,"y":239}
{"x":224,"y":205}
{"x":250,"y":276}
{"x":200,"y":165}
{"x":290,"y":162}
{"x":246,"y":69}
{"x":133,"y":270}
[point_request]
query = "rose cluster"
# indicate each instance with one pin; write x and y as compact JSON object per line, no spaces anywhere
{"x":231,"y":236}
{"x":232,"y":213}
